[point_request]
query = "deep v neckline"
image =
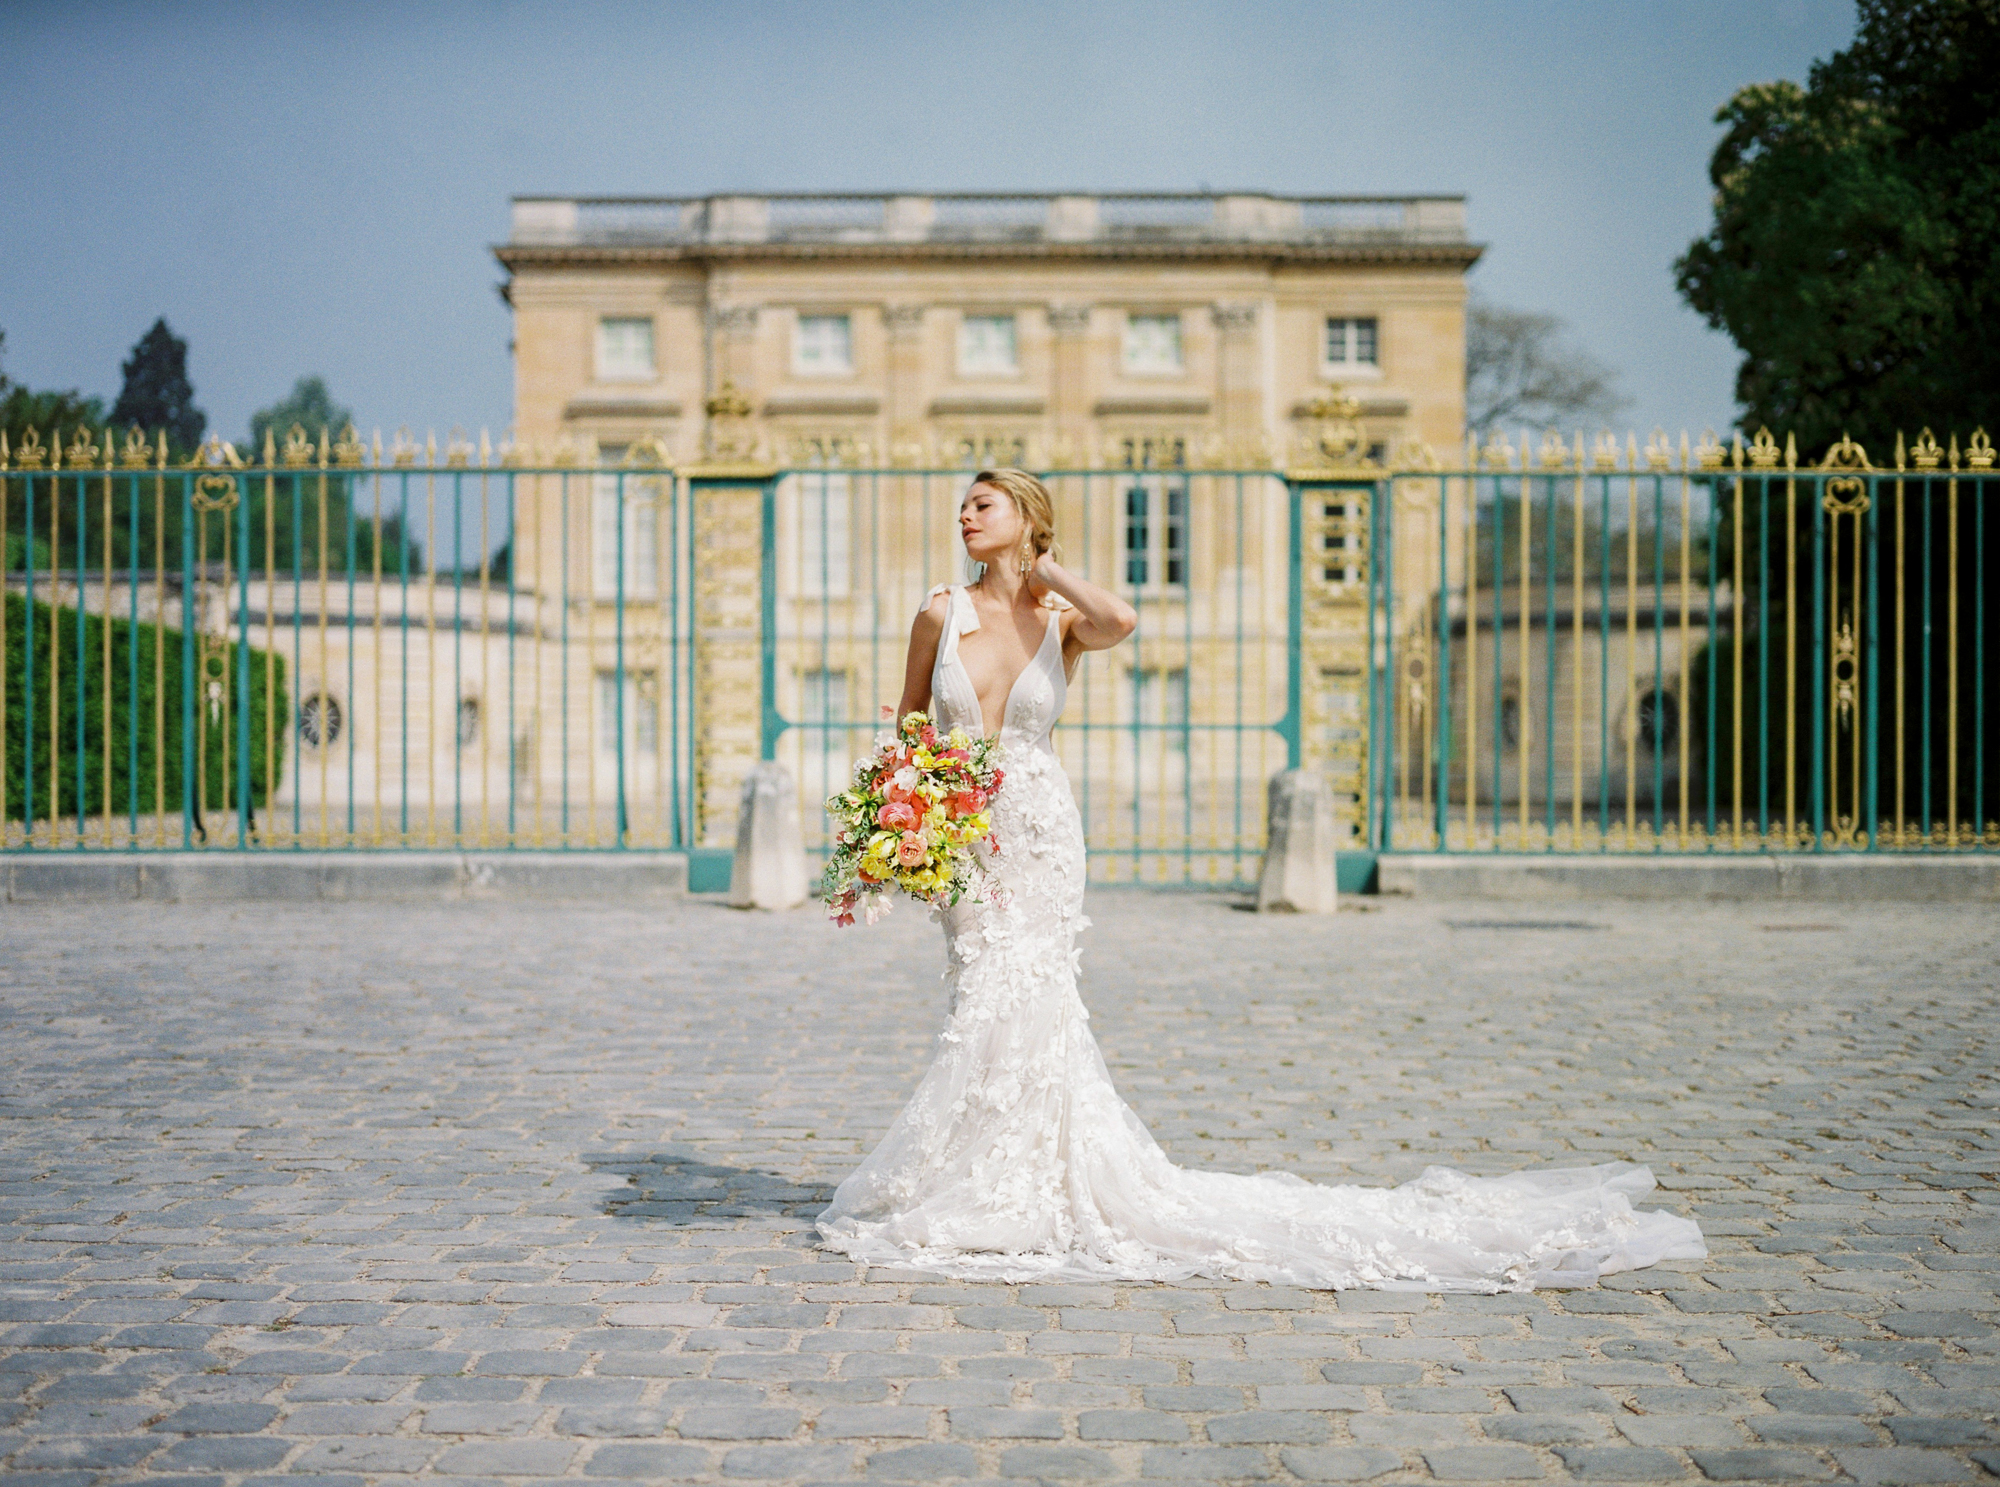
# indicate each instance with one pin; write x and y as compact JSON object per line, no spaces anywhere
{"x":1006,"y":707}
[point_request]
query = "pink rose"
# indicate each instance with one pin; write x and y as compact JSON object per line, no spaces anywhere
{"x":910,"y":851}
{"x":898,"y":815}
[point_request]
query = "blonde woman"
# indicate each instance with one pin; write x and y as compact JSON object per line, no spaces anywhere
{"x":1016,"y":1159}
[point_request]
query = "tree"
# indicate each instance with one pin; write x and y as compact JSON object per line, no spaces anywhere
{"x":284,"y":513}
{"x":1520,"y":372}
{"x":51,"y":415}
{"x":309,"y":405}
{"x":157,"y":394}
{"x":1855,"y":253}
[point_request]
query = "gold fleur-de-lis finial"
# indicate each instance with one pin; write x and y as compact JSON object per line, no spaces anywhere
{"x":298,"y":446}
{"x":347,"y":448}
{"x":31,"y":455}
{"x":404,"y":451}
{"x":1659,"y":453}
{"x":1499,"y":452}
{"x":82,"y":449}
{"x":1764,"y":451}
{"x":1709,"y":453}
{"x":137,"y":452}
{"x":1604,"y":453}
{"x":1927,"y":453}
{"x":457,"y":449}
{"x":1979,"y":451}
{"x":1554,"y":454}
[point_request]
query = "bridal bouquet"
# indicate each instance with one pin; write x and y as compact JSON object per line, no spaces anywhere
{"x":910,"y":820}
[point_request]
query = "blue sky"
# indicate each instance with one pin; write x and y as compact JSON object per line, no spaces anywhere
{"x":314,"y":188}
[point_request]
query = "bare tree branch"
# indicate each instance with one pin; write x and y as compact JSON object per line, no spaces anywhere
{"x":1521,"y":373}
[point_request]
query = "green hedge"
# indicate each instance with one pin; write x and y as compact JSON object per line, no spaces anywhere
{"x":130,"y":734}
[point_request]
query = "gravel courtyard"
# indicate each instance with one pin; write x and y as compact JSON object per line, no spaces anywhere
{"x":491,"y":1191}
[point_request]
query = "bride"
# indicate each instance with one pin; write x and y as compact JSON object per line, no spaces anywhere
{"x":1016,"y":1159}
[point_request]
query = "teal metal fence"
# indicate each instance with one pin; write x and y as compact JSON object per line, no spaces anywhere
{"x":338,"y":647}
{"x":1584,"y":648}
{"x":1686,"y":651}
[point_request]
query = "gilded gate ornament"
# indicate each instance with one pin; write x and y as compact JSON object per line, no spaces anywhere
{"x":214,"y":493}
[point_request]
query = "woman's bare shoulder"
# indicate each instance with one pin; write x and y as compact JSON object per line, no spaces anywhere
{"x":931,"y":617}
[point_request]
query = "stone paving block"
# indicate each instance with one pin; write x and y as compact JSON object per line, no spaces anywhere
{"x":610,"y":1419}
{"x":1205,"y":1463}
{"x":1289,"y":1426}
{"x":85,"y":1453}
{"x":1896,"y":1466}
{"x":1419,"y":1431}
{"x":728,"y":1422}
{"x":223,"y":1453}
{"x":1130,"y":1425}
{"x":1762,"y":1466}
{"x":369,"y":1455}
{"x":509,"y":1458}
{"x":795,"y":1463}
{"x":1483,"y":1464}
{"x":933,"y":1462}
{"x":1339,"y":1463}
{"x":648,"y":1462}
{"x":975,"y":1423}
{"x":885,"y":1421}
{"x":1714,"y":1431}
{"x":1544,"y":1430}
{"x":1621,"y":1463}
{"x":1058,"y":1463}
{"x":341,"y":1419}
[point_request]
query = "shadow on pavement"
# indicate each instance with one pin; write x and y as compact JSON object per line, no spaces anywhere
{"x":683,"y":1190}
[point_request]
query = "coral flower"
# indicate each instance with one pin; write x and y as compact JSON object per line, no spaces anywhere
{"x":898,"y":815}
{"x":910,"y":850}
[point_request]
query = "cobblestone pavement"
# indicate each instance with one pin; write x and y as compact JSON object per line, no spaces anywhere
{"x":485,"y":1191}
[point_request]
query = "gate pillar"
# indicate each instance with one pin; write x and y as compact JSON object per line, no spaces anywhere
{"x":735,"y":594}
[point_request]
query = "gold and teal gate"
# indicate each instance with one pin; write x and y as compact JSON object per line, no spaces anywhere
{"x":1168,"y":739}
{"x":1564,"y":646}
{"x":1607,"y":649}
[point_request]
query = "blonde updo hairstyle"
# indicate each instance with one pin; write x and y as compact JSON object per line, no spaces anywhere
{"x":1037,"y":507}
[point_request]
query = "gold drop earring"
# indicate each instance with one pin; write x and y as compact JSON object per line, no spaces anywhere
{"x":1028,"y":555}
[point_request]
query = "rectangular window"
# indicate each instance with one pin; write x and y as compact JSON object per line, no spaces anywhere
{"x":624,"y":349}
{"x":1152,"y":343}
{"x":1350,"y":342}
{"x":641,"y":718}
{"x":986,"y":346}
{"x":825,"y":519}
{"x":824,"y":346}
{"x":1156,"y":532}
{"x":639,"y":496}
{"x":1160,"y":704}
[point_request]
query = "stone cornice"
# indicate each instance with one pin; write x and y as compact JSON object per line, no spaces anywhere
{"x":517,"y":256}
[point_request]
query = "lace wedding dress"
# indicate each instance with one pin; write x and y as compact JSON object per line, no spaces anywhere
{"x":1017,"y":1160}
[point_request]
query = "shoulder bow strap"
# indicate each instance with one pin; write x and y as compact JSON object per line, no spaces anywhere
{"x":961,"y":609}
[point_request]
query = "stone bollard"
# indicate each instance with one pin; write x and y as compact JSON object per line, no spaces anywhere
{"x":1298,"y":875}
{"x":770,"y":867}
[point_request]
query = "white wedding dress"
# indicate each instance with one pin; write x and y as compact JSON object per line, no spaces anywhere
{"x":1016,"y":1159}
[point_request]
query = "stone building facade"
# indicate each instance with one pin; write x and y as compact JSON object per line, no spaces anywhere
{"x":1186,"y":347}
